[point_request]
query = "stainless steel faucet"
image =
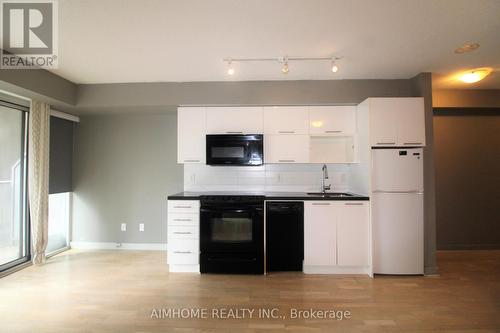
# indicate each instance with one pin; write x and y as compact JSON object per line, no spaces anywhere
{"x":325,"y":187}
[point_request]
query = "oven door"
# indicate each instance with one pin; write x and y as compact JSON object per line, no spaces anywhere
{"x":232,"y":229}
{"x":234,"y":149}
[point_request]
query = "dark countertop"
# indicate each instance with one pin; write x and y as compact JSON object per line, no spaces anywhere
{"x":268,"y":195}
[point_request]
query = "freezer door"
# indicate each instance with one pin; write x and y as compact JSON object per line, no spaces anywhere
{"x":397,"y":170}
{"x":398,"y":233}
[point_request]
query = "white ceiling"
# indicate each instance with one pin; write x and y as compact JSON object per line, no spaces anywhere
{"x":108,"y":41}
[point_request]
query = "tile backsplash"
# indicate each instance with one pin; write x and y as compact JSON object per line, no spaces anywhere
{"x":269,"y":177}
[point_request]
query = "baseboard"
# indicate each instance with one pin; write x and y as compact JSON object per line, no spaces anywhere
{"x":431,"y":271}
{"x":458,"y":247}
{"x":119,"y":246}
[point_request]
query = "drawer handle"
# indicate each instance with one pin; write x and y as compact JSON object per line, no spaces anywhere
{"x":386,"y":143}
{"x":182,"y":233}
{"x":233,"y":132}
{"x":286,"y":132}
{"x":413,"y":143}
{"x":353,"y":204}
{"x":286,"y":160}
{"x":333,"y":131}
{"x":183,"y":207}
{"x":321,"y":204}
{"x":191,"y":161}
{"x":182,"y":220}
{"x":183,"y":252}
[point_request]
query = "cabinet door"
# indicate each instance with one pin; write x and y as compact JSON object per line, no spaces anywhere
{"x":320,"y":235}
{"x":286,"y":120}
{"x":191,"y":129}
{"x":383,"y":121}
{"x":353,"y":234}
{"x":235,"y":120}
{"x":286,"y":149}
{"x":411,"y":121}
{"x":332,"y":120}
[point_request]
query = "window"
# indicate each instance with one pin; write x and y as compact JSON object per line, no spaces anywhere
{"x":14,"y":227}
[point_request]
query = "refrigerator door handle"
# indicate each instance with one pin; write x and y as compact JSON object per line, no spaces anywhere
{"x":411,"y":192}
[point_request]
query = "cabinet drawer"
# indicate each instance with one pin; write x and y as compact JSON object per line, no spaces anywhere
{"x":186,"y":232}
{"x":183,"y":206}
{"x":183,"y":251}
{"x":183,"y":219}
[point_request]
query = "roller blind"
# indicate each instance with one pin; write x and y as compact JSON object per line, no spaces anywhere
{"x":61,"y":155}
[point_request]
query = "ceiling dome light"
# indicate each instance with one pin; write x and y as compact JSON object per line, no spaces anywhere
{"x":230,"y":69}
{"x":467,"y":47}
{"x":474,"y":75}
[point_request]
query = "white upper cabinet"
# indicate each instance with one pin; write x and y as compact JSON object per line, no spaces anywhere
{"x":286,"y":120}
{"x":332,"y":120}
{"x":286,"y":148}
{"x":191,"y":128}
{"x":397,"y":121}
{"x":235,"y":120}
{"x":353,"y":240}
{"x":320,"y":233}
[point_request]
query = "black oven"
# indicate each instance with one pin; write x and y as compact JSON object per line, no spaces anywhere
{"x":235,"y":149}
{"x":232,"y":234}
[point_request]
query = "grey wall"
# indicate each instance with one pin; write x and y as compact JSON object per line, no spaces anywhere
{"x":466,"y":98}
{"x":99,"y":97}
{"x":125,"y":165}
{"x":467,"y":145}
{"x":422,"y":87}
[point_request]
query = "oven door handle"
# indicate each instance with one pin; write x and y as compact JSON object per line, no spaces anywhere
{"x":223,"y":210}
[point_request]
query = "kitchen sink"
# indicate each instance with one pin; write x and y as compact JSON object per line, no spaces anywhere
{"x":331,"y":194}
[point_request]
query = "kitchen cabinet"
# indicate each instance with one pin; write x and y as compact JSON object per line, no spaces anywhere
{"x":183,"y":235}
{"x":235,"y":120}
{"x":191,"y":128}
{"x":286,"y":120}
{"x":396,"y":121}
{"x":286,"y":148}
{"x":353,"y":233}
{"x":332,"y":120}
{"x":320,"y":233}
{"x":336,"y":237}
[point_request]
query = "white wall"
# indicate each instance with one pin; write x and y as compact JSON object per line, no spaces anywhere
{"x":270,"y":177}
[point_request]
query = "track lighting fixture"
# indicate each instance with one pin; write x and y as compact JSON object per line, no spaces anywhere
{"x":284,"y":61}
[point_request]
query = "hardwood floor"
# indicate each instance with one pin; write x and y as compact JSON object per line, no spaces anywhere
{"x":116,"y":291}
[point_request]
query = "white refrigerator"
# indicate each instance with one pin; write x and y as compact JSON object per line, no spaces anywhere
{"x":398,"y":211}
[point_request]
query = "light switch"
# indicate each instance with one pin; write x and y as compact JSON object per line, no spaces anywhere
{"x":123,"y":227}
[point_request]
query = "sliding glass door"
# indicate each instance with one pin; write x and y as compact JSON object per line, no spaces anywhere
{"x":14,"y":229}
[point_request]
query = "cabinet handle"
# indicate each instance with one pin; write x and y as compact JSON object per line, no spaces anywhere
{"x":333,"y":131}
{"x":183,"y":252}
{"x":182,"y":233}
{"x":182,"y":207}
{"x":353,"y":204}
{"x":286,"y":132}
{"x":286,"y":160}
{"x":413,"y":143}
{"x":234,"y":132}
{"x":386,"y":143}
{"x":182,"y":220}
{"x":321,"y":204}
{"x":187,"y":161}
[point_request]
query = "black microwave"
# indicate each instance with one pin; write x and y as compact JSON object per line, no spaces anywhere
{"x":235,"y":149}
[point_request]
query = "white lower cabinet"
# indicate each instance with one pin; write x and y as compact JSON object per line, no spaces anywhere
{"x":183,"y":240}
{"x":336,"y":237}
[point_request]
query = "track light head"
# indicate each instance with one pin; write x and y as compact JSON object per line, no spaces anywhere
{"x":285,"y":68}
{"x":230,"y":69}
{"x":335,"y":67}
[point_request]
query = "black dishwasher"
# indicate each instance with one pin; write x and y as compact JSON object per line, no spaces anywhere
{"x":284,"y":235}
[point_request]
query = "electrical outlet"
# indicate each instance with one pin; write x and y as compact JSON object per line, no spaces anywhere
{"x":141,"y":226}
{"x":123,"y":227}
